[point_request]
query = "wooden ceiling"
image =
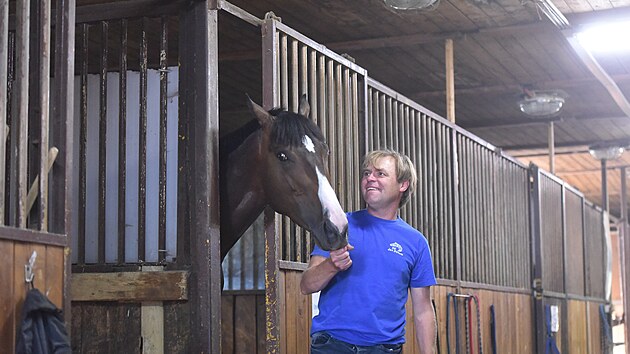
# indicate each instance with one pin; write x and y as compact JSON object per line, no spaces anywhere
{"x":500,"y":48}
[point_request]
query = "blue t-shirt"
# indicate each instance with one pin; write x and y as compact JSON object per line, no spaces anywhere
{"x":365,"y":304}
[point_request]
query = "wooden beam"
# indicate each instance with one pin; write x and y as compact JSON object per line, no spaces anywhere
{"x":130,"y":286}
{"x":513,"y":122}
{"x":591,"y":63}
{"x":518,"y":87}
{"x":450,"y":79}
{"x":618,"y":142}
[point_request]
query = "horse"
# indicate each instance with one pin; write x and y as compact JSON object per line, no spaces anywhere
{"x":281,"y":163}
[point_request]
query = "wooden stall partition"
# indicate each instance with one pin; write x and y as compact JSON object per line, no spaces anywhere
{"x":242,"y":322}
{"x":49,"y":279}
{"x":577,"y":327}
{"x":513,"y":321}
{"x":594,"y":328}
{"x":295,"y":310}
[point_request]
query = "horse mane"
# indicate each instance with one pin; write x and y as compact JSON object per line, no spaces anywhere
{"x":289,"y":128}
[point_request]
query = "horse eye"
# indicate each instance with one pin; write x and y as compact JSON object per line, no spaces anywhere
{"x":282,"y":156}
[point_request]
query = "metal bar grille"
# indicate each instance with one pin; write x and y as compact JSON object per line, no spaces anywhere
{"x":127,"y":142}
{"x":333,"y":86}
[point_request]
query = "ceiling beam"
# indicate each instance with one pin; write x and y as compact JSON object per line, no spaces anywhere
{"x":426,"y":38}
{"x":591,"y":63}
{"x":614,"y":142}
{"x":526,"y":122}
{"x":503,"y":88}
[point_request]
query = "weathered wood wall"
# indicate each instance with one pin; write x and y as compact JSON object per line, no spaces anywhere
{"x":49,"y":271}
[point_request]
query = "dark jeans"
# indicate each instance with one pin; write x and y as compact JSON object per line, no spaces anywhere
{"x":323,"y":343}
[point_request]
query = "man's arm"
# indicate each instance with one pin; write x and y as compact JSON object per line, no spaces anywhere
{"x":424,"y":319}
{"x":321,"y":270}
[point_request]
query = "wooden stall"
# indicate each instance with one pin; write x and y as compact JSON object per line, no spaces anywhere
{"x":134,"y":191}
{"x":35,"y":158}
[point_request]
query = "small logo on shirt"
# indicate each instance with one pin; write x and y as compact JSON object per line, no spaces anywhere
{"x":396,"y":248}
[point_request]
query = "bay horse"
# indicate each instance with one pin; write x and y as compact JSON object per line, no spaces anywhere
{"x":281,"y":163}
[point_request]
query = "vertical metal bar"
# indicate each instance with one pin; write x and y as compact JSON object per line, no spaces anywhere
{"x":355,"y":127}
{"x":537,"y":266}
{"x":44,"y":99}
{"x":62,"y":133}
{"x":455,"y":259}
{"x":284,"y":71}
{"x":142,"y":145}
{"x":330,"y":119}
{"x":4,"y":57}
{"x":122,"y":141}
{"x":102,"y":142}
{"x":163,"y":142}
{"x":272,"y":278}
{"x":313,"y":84}
{"x":83,"y":142}
{"x":625,"y":248}
{"x":321,"y":94}
{"x":10,"y":205}
{"x":294,"y":76}
{"x":22,"y":73}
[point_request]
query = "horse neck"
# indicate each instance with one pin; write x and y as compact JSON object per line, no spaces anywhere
{"x":242,"y":194}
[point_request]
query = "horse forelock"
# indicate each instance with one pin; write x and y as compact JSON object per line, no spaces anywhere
{"x":290,"y":128}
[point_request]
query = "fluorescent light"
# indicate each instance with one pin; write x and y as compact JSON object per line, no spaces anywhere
{"x":606,"y":37}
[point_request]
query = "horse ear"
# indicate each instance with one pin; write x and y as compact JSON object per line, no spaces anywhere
{"x":263,"y":117}
{"x":304,"y":108}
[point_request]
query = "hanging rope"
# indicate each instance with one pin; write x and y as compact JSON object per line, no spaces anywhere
{"x":493,"y":330}
{"x":448,"y":337}
{"x":468,"y":318}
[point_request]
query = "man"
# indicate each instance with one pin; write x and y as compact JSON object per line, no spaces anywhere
{"x":364,"y":285}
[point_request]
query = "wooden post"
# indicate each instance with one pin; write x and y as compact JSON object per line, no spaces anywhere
{"x":450,"y":81}
{"x":199,"y":119}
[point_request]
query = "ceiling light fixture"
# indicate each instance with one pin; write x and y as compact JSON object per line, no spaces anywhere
{"x":606,"y":152}
{"x":542,"y":104}
{"x":410,"y":4}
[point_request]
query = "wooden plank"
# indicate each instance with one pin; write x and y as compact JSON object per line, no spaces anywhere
{"x":54,"y":274}
{"x":289,"y":313}
{"x":152,"y":322}
{"x":227,"y":323}
{"x":130,"y":286}
{"x":7,"y":305}
{"x":245,"y":321}
{"x":260,"y":324}
{"x":101,"y":323}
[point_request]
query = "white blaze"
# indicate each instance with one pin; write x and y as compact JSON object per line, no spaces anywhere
{"x":308,"y":143}
{"x":329,"y":201}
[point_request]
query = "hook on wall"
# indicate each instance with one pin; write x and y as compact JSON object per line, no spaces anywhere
{"x":29,"y":274}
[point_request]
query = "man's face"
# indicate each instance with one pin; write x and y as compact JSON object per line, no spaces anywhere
{"x":379,"y":184}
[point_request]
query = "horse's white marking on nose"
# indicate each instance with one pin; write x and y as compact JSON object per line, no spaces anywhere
{"x":329,"y":201}
{"x":308,"y":143}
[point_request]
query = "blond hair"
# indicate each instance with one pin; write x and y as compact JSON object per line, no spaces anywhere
{"x":405,"y":170}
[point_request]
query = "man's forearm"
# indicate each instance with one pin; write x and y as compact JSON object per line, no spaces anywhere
{"x":426,"y":331}
{"x":317,"y":277}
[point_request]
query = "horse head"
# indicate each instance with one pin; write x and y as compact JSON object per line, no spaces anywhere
{"x":294,"y":154}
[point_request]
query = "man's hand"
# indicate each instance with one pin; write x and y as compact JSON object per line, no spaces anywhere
{"x":341,"y":258}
